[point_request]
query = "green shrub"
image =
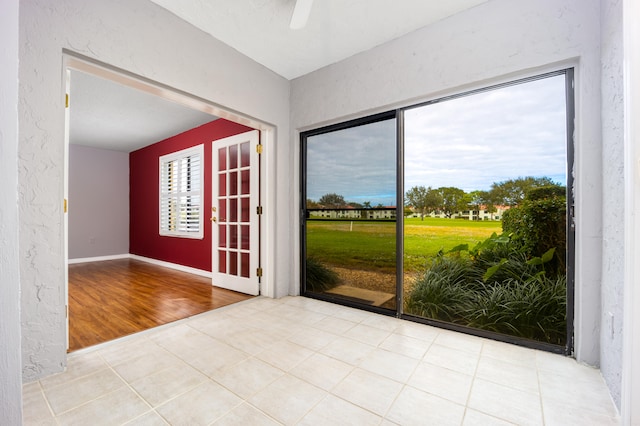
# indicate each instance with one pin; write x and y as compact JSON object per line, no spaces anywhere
{"x":319,"y":277}
{"x":494,"y":286}
{"x":533,"y":309}
{"x":539,"y":225}
{"x":546,"y":192}
{"x":442,"y":289}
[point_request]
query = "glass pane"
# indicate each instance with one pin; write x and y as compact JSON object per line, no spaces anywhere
{"x":233,"y":183}
{"x":222,"y":184}
{"x":222,"y":261}
{"x":244,"y":182}
{"x":233,"y":263}
{"x":233,"y":210}
{"x":222,"y":235}
{"x":233,"y":157}
{"x":351,"y":214}
{"x":222,"y":206}
{"x":222,"y":159}
{"x":245,"y":209}
{"x":244,"y":229}
{"x":233,"y":236}
{"x":244,"y":268}
{"x":245,"y":154}
{"x":485,"y":227}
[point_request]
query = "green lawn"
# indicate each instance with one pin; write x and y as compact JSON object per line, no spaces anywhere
{"x":371,"y":245}
{"x":423,"y":239}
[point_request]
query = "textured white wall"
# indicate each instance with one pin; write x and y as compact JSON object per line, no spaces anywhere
{"x":613,"y":201}
{"x":496,"y":41}
{"x":10,"y":381}
{"x":98,"y":202}
{"x":631,"y":345}
{"x":142,"y":38}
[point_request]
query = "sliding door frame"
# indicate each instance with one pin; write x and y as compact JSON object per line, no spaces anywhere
{"x":303,"y":210}
{"x":398,"y":114}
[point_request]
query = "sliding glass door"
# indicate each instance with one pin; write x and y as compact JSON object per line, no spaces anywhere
{"x":350,"y":212}
{"x":485,"y":244}
{"x":469,"y":227}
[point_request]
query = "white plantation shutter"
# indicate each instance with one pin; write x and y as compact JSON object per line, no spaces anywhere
{"x":181,"y":177}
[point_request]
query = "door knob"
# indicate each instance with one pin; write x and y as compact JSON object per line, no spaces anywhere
{"x":213,"y":219}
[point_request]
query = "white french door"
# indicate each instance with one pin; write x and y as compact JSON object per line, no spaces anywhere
{"x":234,"y":213}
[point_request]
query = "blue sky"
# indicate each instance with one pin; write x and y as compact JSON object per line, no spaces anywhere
{"x":468,"y":142}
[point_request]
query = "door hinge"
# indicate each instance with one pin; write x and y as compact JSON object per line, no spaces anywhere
{"x":259,"y":148}
{"x":259,"y":210}
{"x":66,"y":100}
{"x":65,"y":205}
{"x":66,"y":307}
{"x":259,"y":272}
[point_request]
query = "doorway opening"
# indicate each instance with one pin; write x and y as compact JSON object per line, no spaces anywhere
{"x":209,"y":114}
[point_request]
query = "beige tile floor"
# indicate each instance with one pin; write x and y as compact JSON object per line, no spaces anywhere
{"x":305,"y":362}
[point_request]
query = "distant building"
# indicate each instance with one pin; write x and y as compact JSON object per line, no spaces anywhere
{"x":482,"y":214}
{"x":377,"y":213}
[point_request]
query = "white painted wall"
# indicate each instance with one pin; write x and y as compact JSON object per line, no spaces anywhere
{"x":98,"y":202}
{"x":497,"y":41}
{"x":144,"y":39}
{"x":631,"y":344}
{"x":613,"y":201}
{"x":10,"y":381}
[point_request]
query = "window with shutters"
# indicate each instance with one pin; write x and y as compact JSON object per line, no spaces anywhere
{"x":181,"y":177}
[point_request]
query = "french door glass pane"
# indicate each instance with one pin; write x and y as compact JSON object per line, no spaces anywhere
{"x":222,"y":159}
{"x":485,"y":239}
{"x":245,"y":154}
{"x":222,"y":210}
{"x":245,"y":209}
{"x":233,"y":157}
{"x":222,"y":261}
{"x":351,"y":214}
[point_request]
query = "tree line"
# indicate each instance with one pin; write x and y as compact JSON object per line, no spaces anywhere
{"x":336,"y":201}
{"x":450,"y":200}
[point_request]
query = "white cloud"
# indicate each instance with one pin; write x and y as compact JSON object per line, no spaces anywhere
{"x":474,"y":141}
{"x":358,"y":163}
{"x":468,"y":142}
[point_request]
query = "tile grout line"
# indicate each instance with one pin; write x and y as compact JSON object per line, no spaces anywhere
{"x":107,"y":367}
{"x":540,"y":391}
{"x":473,"y":381}
{"x":46,"y":401}
{"x":262,"y":412}
{"x":153,"y":408}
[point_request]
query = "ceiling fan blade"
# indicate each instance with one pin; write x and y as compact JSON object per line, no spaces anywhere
{"x":300,"y":14}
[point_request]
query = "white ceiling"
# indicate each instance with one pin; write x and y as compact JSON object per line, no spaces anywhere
{"x":335,"y":30}
{"x":108,"y":115}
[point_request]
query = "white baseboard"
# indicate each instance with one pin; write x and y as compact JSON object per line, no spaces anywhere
{"x":182,"y":268}
{"x":99,"y":258}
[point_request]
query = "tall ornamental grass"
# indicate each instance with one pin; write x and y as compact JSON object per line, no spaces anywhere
{"x":494,"y":286}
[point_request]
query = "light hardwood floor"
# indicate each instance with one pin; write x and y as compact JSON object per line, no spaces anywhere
{"x":115,"y":298}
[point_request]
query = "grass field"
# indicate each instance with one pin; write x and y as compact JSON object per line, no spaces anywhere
{"x":371,"y":245}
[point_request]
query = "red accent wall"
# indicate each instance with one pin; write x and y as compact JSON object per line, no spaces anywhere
{"x":144,"y":237}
